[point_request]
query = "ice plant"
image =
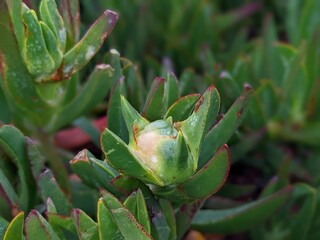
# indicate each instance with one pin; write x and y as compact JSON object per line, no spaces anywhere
{"x":40,"y":56}
{"x":164,"y":153}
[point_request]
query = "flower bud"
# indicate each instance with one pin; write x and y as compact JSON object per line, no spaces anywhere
{"x":162,"y":148}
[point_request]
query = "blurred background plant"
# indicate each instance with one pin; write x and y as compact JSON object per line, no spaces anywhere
{"x":272,"y":45}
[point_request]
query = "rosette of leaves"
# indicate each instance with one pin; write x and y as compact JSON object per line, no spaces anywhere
{"x":40,"y":58}
{"x":174,"y":144}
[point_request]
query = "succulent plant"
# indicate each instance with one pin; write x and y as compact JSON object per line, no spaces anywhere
{"x":40,"y":59}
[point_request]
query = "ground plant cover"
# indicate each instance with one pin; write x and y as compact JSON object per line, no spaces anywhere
{"x":159,"y":119}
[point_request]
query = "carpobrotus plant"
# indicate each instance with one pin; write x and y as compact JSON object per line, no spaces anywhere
{"x":165,"y":152}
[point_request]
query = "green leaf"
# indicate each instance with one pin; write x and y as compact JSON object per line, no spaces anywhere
{"x":50,"y":206}
{"x":224,"y":129}
{"x":94,"y":90}
{"x":185,"y":82}
{"x":21,"y":95}
{"x":305,"y":196}
{"x":15,"y":228}
{"x":214,"y":172}
{"x":108,"y":228}
{"x":241,"y":218}
{"x":5,"y":113}
{"x":168,"y":212}
{"x":153,"y":108}
{"x":171,"y":91}
{"x":49,"y":188}
{"x":121,"y":158}
{"x":136,"y":204}
{"x":126,"y":222}
{"x":160,"y":228}
{"x":184,"y":216}
{"x":81,"y":53}
{"x":70,"y":13}
{"x":116,"y":122}
{"x":195,"y":127}
{"x":15,"y":10}
{"x":94,"y":172}
{"x":37,"y":228}
{"x":35,"y":53}
{"x":9,"y":194}
{"x":50,"y":15}
{"x":125,"y":184}
{"x":182,"y":108}
{"x":133,"y":119}
{"x":12,"y":142}
{"x":53,"y":46}
{"x":37,"y":160}
{"x":135,"y":84}
{"x":3,"y":227}
{"x":86,"y":227}
{"x":61,"y":222}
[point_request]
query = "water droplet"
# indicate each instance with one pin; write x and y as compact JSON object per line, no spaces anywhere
{"x":154,"y":159}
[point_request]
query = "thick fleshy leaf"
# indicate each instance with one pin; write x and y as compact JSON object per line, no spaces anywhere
{"x":168,"y":211}
{"x":12,"y":142}
{"x":214,"y":172}
{"x":125,"y":184}
{"x":81,"y":53}
{"x":94,"y":172}
{"x":203,"y":116}
{"x":49,"y":188}
{"x":15,"y":10}
{"x":136,"y":204}
{"x":126,"y":222}
{"x":108,"y":228}
{"x":53,"y":46}
{"x":185,"y":81}
{"x":306,"y":197}
{"x":71,"y":15}
{"x":184,"y":216}
{"x":50,"y":206}
{"x":37,"y":228}
{"x":241,"y":218}
{"x":135,"y":84}
{"x":8,"y":193}
{"x":59,"y":222}
{"x":5,"y":113}
{"x":3,"y":226}
{"x":113,"y":59}
{"x":36,"y":158}
{"x":133,"y":119}
{"x":50,"y":15}
{"x":15,"y":228}
{"x":35,"y":53}
{"x":116,"y":122}
{"x":225,"y":128}
{"x":182,"y":108}
{"x":20,"y":94}
{"x":153,"y":108}
{"x":121,"y":158}
{"x":171,"y":91}
{"x":86,"y":227}
{"x":94,"y":90}
{"x":160,"y":228}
